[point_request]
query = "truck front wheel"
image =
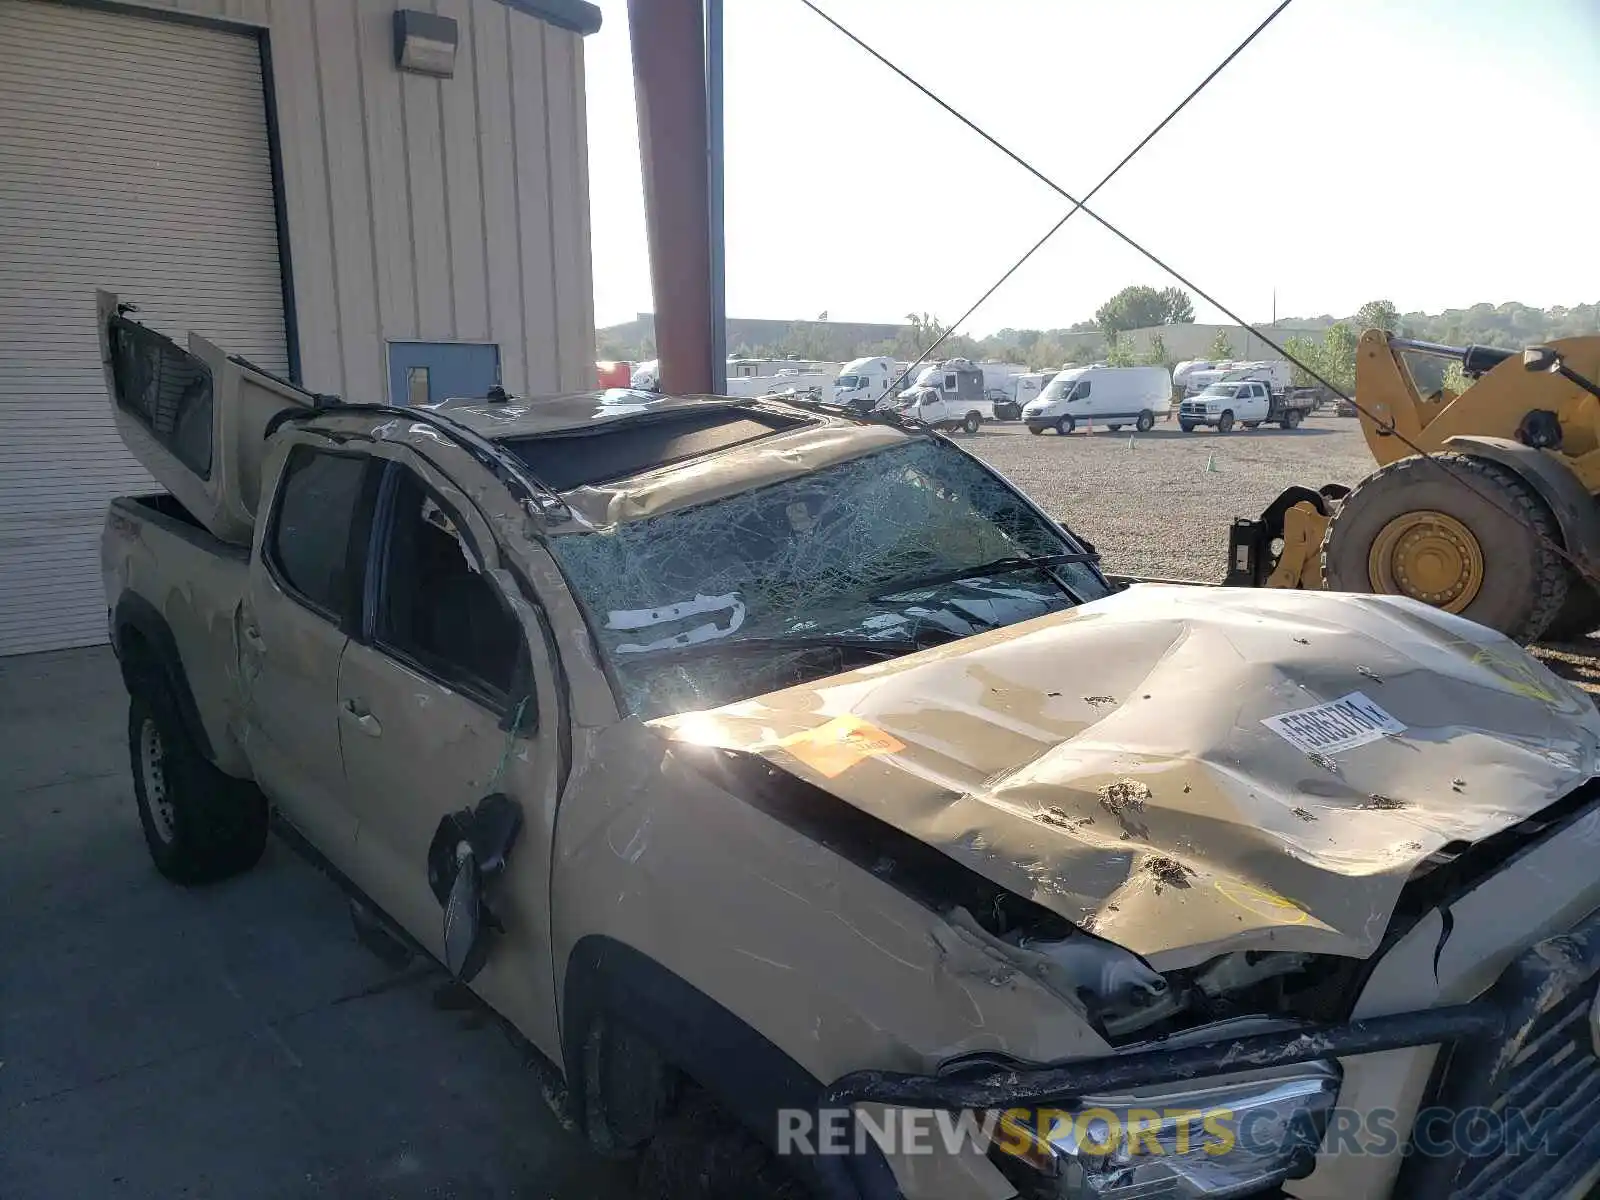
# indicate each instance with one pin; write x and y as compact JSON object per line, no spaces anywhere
{"x":200,"y":825}
{"x":1186,"y":426}
{"x":1225,"y":422}
{"x":700,"y":1153}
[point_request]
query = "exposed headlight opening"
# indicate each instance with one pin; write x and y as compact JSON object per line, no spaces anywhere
{"x":1178,"y":1142}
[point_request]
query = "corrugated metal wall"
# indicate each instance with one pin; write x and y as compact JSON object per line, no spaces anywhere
{"x":418,"y":208}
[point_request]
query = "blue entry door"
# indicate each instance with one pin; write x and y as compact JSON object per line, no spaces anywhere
{"x":427,"y":372}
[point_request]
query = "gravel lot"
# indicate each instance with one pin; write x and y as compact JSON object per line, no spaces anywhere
{"x":1153,"y":508}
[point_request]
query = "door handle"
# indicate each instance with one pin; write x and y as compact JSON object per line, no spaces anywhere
{"x":361,"y":719}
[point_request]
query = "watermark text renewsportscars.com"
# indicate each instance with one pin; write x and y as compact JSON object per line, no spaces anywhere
{"x":1213,"y":1131}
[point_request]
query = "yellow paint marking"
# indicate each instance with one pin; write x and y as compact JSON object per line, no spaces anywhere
{"x":1262,"y":902}
{"x":835,"y":746}
{"x":1521,"y":677}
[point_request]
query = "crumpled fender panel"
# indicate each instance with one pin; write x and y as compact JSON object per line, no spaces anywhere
{"x":1113,"y":764}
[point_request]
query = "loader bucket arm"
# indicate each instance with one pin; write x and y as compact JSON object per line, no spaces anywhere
{"x":1389,"y":400}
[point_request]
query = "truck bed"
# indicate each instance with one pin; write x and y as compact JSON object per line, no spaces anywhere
{"x":149,"y":545}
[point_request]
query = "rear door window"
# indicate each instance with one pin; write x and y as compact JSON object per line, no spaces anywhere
{"x":308,"y":546}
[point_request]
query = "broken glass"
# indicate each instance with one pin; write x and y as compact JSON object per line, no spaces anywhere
{"x":843,"y":555}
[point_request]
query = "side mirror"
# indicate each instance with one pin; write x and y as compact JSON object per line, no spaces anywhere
{"x":1540,"y":358}
{"x":469,"y":848}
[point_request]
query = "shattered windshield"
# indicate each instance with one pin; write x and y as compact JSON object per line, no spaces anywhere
{"x":877,"y":556}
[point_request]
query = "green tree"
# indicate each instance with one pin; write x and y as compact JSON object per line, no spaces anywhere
{"x":1455,"y":379}
{"x":1139,"y":307}
{"x":1337,"y":362}
{"x":1307,"y":351}
{"x":1221,"y":346}
{"x":1378,"y":314}
{"x":1180,"y":306}
{"x":1156,"y":354}
{"x":1119,"y":353}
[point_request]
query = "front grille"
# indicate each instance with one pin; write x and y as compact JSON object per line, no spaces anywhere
{"x":1539,"y":1081}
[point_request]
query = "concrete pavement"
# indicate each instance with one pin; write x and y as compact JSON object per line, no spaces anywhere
{"x":232,"y":1041}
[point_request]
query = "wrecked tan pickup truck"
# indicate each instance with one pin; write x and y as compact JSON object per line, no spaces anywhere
{"x":812,"y":803}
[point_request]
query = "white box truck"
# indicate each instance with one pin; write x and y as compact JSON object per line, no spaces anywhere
{"x":862,"y":382}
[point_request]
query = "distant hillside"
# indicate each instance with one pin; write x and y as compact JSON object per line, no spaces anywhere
{"x":1510,"y":325}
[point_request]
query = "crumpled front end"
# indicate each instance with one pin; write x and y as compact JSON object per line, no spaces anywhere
{"x":1191,"y":771}
{"x":1323,"y":827}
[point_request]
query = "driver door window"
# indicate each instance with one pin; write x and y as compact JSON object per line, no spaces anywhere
{"x":434,"y":608}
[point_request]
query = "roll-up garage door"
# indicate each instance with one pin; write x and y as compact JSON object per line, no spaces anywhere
{"x":133,"y":157}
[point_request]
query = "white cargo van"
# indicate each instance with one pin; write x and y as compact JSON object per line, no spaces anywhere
{"x":863,"y":381}
{"x":1107,"y":396}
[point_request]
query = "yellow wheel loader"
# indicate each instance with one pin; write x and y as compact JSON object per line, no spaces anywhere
{"x":1496,"y":519}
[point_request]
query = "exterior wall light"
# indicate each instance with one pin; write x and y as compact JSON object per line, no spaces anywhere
{"x":425,"y":43}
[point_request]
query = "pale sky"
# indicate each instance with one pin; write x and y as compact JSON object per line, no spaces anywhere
{"x":1435,"y":153}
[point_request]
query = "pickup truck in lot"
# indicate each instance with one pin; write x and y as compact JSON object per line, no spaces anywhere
{"x":1250,"y":403}
{"x":776,"y":772}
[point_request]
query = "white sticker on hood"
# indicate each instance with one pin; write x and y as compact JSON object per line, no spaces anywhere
{"x":1341,"y":724}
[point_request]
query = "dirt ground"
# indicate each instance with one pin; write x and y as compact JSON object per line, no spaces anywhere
{"x":1158,"y":504}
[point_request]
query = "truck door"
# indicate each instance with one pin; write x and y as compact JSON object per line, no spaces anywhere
{"x":293,"y":628}
{"x":445,"y":697}
{"x":1259,"y":403}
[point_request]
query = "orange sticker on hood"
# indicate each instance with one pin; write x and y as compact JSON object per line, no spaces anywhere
{"x":835,"y":746}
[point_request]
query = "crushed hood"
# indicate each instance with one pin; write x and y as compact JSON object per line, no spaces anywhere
{"x":1192,"y":770}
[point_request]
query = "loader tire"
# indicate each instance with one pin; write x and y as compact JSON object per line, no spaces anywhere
{"x":1579,"y":615}
{"x":1493,"y":558}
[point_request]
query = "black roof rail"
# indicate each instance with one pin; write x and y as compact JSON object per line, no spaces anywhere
{"x":505,"y":467}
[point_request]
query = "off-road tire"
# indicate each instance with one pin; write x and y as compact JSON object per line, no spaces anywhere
{"x":1186,"y":426}
{"x":972,"y":422}
{"x":1579,"y":614}
{"x":200,"y":825}
{"x":1225,"y":422}
{"x":1146,"y":421}
{"x":1524,"y":578}
{"x":1066,"y":425}
{"x":699,"y":1153}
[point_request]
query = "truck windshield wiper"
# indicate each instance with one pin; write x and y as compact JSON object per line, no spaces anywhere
{"x":888,"y":647}
{"x":1000,"y":566}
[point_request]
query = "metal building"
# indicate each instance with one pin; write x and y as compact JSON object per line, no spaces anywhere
{"x":384,"y":207}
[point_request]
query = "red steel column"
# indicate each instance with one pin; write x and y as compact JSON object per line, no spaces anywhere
{"x":669,"y":76}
